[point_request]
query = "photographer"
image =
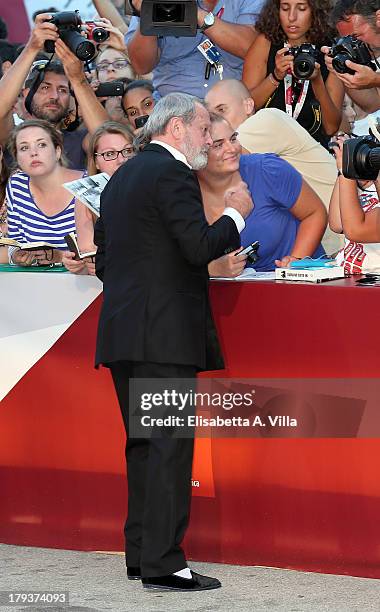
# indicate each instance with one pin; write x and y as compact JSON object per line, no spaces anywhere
{"x":313,"y":97}
{"x":177,"y":63}
{"x":355,"y":212}
{"x":51,"y":100}
{"x":361,"y":16}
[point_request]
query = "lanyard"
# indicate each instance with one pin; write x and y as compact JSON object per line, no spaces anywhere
{"x":288,"y":84}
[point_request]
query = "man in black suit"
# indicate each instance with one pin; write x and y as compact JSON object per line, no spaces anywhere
{"x":154,"y":244}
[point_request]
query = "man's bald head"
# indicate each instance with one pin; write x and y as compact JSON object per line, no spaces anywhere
{"x":231,"y":99}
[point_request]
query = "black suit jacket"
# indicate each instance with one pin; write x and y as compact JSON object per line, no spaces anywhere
{"x":154,"y":244}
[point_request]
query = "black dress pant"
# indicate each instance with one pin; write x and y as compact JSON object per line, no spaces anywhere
{"x":159,"y":481}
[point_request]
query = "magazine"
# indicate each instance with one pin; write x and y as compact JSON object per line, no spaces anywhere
{"x":88,"y":190}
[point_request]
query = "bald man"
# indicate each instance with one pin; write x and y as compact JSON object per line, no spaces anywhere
{"x":270,"y":130}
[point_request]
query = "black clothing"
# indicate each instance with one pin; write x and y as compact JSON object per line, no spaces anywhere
{"x":154,"y":244}
{"x":310,"y":116}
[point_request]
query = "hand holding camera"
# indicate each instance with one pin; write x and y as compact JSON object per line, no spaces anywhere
{"x":68,"y":26}
{"x":43,"y":31}
{"x":228,"y":266}
{"x":353,"y":62}
{"x":284,"y":63}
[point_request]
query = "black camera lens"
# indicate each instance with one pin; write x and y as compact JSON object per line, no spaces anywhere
{"x":304,"y":66}
{"x":81,"y":47}
{"x":100,"y":35}
{"x":167,"y":12}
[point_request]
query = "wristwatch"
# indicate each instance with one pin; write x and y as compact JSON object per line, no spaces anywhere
{"x":208,"y":22}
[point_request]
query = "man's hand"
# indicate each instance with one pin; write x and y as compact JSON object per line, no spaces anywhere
{"x":230,"y":265}
{"x":73,"y":66}
{"x":363,"y":78}
{"x":42,"y":31}
{"x":239,"y":198}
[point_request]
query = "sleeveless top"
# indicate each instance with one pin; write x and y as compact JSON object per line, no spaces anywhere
{"x":310,"y":116}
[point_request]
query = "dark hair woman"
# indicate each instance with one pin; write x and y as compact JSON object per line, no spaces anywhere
{"x":315,"y":102}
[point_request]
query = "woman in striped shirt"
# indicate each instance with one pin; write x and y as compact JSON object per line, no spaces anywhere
{"x":39,"y":207}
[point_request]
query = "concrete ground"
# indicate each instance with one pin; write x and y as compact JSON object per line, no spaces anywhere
{"x":97,"y":582}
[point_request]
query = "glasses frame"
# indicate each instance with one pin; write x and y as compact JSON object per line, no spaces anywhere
{"x":103,"y":67}
{"x":117,"y":153}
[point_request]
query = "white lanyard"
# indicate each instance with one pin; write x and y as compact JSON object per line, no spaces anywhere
{"x":289,"y":96}
{"x":288,"y":84}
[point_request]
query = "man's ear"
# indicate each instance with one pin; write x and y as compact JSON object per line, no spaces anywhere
{"x":378,"y":18}
{"x":24,"y":92}
{"x":176,"y":128}
{"x":249,"y":106}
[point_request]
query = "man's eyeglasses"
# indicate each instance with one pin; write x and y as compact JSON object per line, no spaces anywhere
{"x":111,"y":155}
{"x":116,"y":65}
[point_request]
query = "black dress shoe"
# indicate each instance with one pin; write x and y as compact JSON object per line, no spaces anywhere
{"x":133,"y":573}
{"x":176,"y":583}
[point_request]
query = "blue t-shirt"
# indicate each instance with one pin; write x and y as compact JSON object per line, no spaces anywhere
{"x":275,"y":186}
{"x":181,"y":66}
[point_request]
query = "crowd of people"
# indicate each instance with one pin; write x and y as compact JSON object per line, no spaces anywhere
{"x":270,"y":128}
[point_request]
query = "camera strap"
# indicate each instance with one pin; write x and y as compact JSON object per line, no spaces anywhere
{"x":288,"y":86}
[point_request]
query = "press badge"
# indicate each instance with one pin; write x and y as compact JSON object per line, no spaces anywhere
{"x":212,"y":55}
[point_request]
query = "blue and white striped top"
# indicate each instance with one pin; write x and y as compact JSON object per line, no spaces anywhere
{"x":27,"y":223}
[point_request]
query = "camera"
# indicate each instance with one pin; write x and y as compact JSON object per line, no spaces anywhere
{"x":361,"y":158}
{"x":96,"y":33}
{"x":141,"y":121}
{"x":305,"y":57}
{"x":110,"y":89}
{"x":176,"y":18}
{"x":350,"y":48}
{"x":69,"y":24}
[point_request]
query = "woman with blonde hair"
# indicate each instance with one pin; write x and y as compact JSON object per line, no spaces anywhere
{"x":110,"y":146}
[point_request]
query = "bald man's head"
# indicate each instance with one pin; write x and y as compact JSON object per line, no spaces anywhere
{"x":231,"y":99}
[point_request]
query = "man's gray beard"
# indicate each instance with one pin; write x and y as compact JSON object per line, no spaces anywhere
{"x":197,"y":158}
{"x":49,"y":115}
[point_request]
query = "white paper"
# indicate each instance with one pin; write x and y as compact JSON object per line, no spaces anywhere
{"x":88,"y":190}
{"x":248,"y":274}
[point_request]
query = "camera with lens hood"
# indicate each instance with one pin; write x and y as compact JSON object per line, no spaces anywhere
{"x":350,"y":48}
{"x":68,"y":24}
{"x":305,"y":57}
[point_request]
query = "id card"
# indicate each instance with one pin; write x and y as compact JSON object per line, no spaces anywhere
{"x":209,"y":51}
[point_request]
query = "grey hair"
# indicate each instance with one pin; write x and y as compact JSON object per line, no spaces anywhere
{"x":172,"y":105}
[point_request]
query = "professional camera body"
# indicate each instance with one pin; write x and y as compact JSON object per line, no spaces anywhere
{"x":69,"y":29}
{"x":361,"y":158}
{"x":350,"y":48}
{"x":175,"y":18}
{"x":305,"y":57}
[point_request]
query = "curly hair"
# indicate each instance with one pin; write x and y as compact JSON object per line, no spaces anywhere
{"x":320,"y":32}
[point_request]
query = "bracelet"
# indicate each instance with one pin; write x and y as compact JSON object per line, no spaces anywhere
{"x":273,"y":80}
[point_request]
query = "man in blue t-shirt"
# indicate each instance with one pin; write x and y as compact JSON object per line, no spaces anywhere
{"x":176,"y":62}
